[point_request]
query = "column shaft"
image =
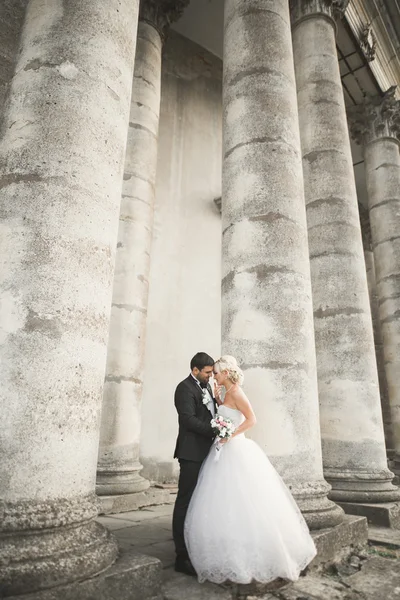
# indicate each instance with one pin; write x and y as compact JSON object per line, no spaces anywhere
{"x":353,"y":444}
{"x":61,"y":164}
{"x":266,"y":291}
{"x":119,"y":466}
{"x":382,"y":164}
{"x":374,"y":303}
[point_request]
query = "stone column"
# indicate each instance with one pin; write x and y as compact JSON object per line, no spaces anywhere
{"x":353,"y":444}
{"x":374,"y":303}
{"x":376,"y":125}
{"x":61,"y":163}
{"x":266,"y":291}
{"x":118,"y":464}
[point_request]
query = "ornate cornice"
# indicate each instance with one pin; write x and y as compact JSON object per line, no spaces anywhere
{"x":304,"y":9}
{"x":378,"y":117}
{"x":368,"y":42}
{"x":161,"y":13}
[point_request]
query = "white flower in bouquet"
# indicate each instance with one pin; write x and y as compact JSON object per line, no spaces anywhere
{"x":206,"y":396}
{"x":223,"y":427}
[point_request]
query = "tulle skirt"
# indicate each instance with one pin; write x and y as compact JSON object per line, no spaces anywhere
{"x":242,"y":523}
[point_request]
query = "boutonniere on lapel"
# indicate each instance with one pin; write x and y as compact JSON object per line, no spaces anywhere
{"x":206,"y":396}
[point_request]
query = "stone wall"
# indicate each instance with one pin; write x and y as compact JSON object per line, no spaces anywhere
{"x":11,"y":18}
{"x":184,"y":301}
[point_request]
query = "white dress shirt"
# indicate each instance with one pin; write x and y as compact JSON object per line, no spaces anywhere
{"x":210,"y":404}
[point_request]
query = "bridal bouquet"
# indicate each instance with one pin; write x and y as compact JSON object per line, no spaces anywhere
{"x":223,"y":427}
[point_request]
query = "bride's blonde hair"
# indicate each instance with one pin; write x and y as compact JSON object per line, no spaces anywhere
{"x":229,"y":363}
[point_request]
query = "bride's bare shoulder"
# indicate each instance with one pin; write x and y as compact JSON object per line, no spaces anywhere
{"x":238,"y":394}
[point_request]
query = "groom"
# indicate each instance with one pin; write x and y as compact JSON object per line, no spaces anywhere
{"x":195,"y":404}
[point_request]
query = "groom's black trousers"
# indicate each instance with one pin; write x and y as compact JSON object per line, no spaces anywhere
{"x":188,"y":476}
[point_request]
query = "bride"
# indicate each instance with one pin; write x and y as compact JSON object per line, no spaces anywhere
{"x":242,"y":523}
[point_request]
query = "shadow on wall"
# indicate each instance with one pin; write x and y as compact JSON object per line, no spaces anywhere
{"x":11,"y":20}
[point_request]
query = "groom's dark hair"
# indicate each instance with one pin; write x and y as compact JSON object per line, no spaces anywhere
{"x":201,"y":360}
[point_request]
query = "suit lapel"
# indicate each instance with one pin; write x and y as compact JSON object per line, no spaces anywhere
{"x":195,"y":385}
{"x":200,"y":394}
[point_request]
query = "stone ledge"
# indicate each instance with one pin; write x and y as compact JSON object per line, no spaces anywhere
{"x":153,"y":496}
{"x":132,"y":577}
{"x":337,"y":543}
{"x":382,"y":515}
{"x":383,"y":536}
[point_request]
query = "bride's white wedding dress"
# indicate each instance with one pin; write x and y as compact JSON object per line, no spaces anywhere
{"x":242,"y":523}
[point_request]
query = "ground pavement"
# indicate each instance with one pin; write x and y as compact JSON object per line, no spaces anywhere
{"x":372,"y":574}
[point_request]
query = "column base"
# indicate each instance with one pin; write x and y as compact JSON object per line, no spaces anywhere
{"x":396,"y":473}
{"x":131,"y":577}
{"x":358,"y":486}
{"x":318,"y":511}
{"x":110,"y":483}
{"x":120,"y":503}
{"x":48,"y":545}
{"x":382,"y":515}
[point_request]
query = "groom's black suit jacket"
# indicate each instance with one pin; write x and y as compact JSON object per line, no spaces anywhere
{"x":195,"y":433}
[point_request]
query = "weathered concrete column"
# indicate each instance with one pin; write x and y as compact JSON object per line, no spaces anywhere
{"x":118,"y":465}
{"x":376,"y":125}
{"x":266,"y":290}
{"x":353,"y":444}
{"x":374,"y":303}
{"x":61,"y":165}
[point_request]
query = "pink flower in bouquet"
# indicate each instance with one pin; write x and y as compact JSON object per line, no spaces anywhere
{"x":222,"y":426}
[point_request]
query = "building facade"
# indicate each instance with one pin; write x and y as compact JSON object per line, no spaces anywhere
{"x":180,"y":176}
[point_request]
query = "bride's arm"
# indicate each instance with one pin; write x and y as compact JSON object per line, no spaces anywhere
{"x":242,"y":403}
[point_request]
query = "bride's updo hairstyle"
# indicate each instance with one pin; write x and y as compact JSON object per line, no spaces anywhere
{"x":228,"y":363}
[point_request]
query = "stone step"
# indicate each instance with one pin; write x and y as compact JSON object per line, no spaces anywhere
{"x":132,"y":577}
{"x":379,"y":579}
{"x":310,"y":588}
{"x":336,"y":543}
{"x":385,"y":514}
{"x":384,"y":536}
{"x":177,"y":586}
{"x":153,"y":496}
